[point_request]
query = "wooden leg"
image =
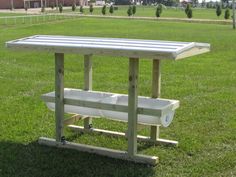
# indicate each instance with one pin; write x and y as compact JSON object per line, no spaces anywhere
{"x":156,"y":92}
{"x":87,"y":84}
{"x":132,"y":106}
{"x":59,"y":94}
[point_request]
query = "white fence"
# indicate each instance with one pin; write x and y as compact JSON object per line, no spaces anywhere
{"x":34,"y":19}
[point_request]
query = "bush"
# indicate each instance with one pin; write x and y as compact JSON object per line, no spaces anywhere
{"x":159,"y":10}
{"x":81,"y":9}
{"x":91,"y":8}
{"x":43,"y":9}
{"x":111,"y":10}
{"x":129,"y":11}
{"x":227,"y":13}
{"x":60,"y":8}
{"x":134,"y":9}
{"x":73,"y":7}
{"x":218,"y":10}
{"x":187,"y":8}
{"x":104,"y":8}
{"x":52,"y":6}
{"x":26,"y":7}
{"x":190,"y":13}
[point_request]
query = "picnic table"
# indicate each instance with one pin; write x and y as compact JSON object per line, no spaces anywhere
{"x":153,"y":111}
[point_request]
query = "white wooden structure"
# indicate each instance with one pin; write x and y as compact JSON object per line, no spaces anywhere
{"x":131,"y":48}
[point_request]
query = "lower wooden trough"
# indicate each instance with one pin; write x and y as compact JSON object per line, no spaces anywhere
{"x":115,"y":106}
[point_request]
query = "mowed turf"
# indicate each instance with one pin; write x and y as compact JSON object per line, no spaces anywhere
{"x":204,"y":125}
{"x":150,"y":11}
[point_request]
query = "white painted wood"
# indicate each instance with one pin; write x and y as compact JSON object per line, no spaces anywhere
{"x":59,"y":94}
{"x":132,"y":48}
{"x":87,"y":83}
{"x":121,"y":134}
{"x":138,"y":158}
{"x":156,"y":93}
{"x":132,"y":106}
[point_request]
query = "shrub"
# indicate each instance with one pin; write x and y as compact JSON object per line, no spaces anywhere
{"x":60,"y":8}
{"x":190,"y":13}
{"x":227,"y":13}
{"x":43,"y":9}
{"x":187,"y":8}
{"x":81,"y":9}
{"x":158,"y":10}
{"x":104,"y":10}
{"x":26,"y":7}
{"x":91,"y":8}
{"x":52,"y":6}
{"x":218,"y":10}
{"x":111,"y":10}
{"x":129,"y":11}
{"x":73,"y":7}
{"x":134,"y":9}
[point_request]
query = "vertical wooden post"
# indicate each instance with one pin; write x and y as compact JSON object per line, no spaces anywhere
{"x":87,"y":83}
{"x":59,"y":94}
{"x":132,"y":106}
{"x":156,"y":92}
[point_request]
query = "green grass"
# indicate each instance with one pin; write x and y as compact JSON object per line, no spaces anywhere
{"x":204,"y":124}
{"x":3,"y":14}
{"x":149,"y":11}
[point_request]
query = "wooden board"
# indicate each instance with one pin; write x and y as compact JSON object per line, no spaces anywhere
{"x":121,"y":134}
{"x":138,"y":158}
{"x":132,"y":48}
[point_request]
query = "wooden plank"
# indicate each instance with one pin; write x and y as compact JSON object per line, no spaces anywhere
{"x":121,"y":134}
{"x":59,"y":94}
{"x":156,"y":93}
{"x":88,"y":84}
{"x":88,"y":71}
{"x":133,"y":48}
{"x":72,"y":119}
{"x":151,"y":160}
{"x":132,"y":106}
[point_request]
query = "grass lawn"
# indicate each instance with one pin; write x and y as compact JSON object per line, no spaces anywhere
{"x":204,"y":125}
{"x":149,"y":11}
{"x":3,"y":14}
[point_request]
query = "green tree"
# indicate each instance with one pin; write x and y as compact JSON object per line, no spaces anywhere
{"x":111,"y":10}
{"x":159,"y":10}
{"x":26,"y":8}
{"x":104,"y":8}
{"x":91,"y":8}
{"x":60,"y":8}
{"x":227,"y":13}
{"x":134,"y":9}
{"x":73,"y":7}
{"x":218,"y":10}
{"x":187,"y":8}
{"x":129,"y":11}
{"x":81,"y":9}
{"x":52,"y":6}
{"x":190,"y":13}
{"x":43,"y":9}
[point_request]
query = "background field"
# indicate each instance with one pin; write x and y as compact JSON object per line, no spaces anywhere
{"x":204,"y":124}
{"x":149,"y":11}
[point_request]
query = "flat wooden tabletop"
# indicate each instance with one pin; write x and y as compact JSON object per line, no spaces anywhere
{"x":132,"y":48}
